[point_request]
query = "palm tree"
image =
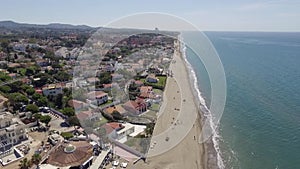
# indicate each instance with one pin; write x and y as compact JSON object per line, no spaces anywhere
{"x":24,"y":164}
{"x":36,"y":159}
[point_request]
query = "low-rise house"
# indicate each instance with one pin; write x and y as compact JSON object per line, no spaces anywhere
{"x":76,"y":104}
{"x":88,"y":115}
{"x":117,"y":108}
{"x":151,"y":78}
{"x":137,"y":106}
{"x":107,"y":86}
{"x":52,"y":89}
{"x":98,"y":97}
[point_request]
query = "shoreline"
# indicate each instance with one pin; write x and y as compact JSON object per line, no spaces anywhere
{"x":213,"y":157}
{"x":183,"y":150}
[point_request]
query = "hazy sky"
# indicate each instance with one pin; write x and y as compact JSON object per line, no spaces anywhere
{"x":247,"y":15}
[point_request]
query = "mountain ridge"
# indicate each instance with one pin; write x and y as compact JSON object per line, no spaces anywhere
{"x":12,"y":24}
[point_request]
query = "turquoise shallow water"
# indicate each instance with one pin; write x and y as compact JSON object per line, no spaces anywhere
{"x":260,"y":127}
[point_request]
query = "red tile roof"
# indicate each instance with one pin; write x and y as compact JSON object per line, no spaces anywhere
{"x":96,"y":94}
{"x":114,"y":125}
{"x":76,"y":103}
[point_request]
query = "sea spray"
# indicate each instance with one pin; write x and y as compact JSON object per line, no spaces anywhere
{"x":202,"y":104}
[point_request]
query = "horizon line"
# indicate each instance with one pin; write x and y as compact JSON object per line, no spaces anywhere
{"x":101,"y":26}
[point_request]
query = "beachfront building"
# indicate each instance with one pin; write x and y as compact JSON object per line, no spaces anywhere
{"x":76,"y":154}
{"x":12,"y":131}
{"x":98,"y":97}
{"x":121,"y":131}
{"x":52,"y":89}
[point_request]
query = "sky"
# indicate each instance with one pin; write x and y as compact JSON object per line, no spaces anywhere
{"x":214,"y":15}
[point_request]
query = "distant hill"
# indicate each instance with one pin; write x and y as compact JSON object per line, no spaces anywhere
{"x":15,"y":25}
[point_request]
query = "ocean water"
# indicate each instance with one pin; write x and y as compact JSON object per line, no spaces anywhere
{"x":260,"y":126}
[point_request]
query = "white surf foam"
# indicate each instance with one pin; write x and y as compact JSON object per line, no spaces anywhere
{"x":206,"y":112}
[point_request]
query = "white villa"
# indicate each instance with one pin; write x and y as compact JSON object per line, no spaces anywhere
{"x":12,"y":131}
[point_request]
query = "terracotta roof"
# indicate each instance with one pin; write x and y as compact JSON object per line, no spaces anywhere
{"x":96,"y":94}
{"x":145,"y":89}
{"x":118,"y":108}
{"x":60,"y":158}
{"x":115,"y":125}
{"x":108,"y":129}
{"x":132,"y":104}
{"x":138,"y":82}
{"x":107,"y":85}
{"x":84,"y":115}
{"x":76,"y":103}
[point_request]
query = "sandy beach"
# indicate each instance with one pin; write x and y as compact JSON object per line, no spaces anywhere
{"x":175,"y":143}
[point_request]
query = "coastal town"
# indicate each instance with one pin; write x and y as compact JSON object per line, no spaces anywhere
{"x":62,"y":109}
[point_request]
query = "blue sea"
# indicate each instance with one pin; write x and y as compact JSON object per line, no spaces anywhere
{"x":260,"y":126}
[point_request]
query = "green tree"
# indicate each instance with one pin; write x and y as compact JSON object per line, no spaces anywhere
{"x":42,"y":101}
{"x":16,"y":86}
{"x":68,"y":111}
{"x":73,"y":121}
{"x":37,"y":115}
{"x":5,"y":89}
{"x":36,"y":159}
{"x":149,"y":129}
{"x":32,"y":108}
{"x":25,"y":164}
{"x":105,"y":78}
{"x":67,"y":135}
{"x":44,"y":79}
{"x":116,"y":115}
{"x":62,"y":76}
{"x":29,"y":71}
{"x":30,"y":91}
{"x":24,"y":87}
{"x":80,"y":94}
{"x":4,"y":77}
{"x":17,"y":99}
{"x":36,"y":96}
{"x":45,"y":119}
{"x":58,"y":100}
